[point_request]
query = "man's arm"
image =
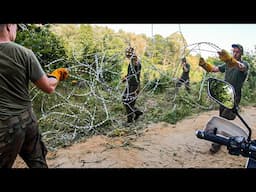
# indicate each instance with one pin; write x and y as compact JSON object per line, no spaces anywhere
{"x":241,"y":66}
{"x":207,"y":66}
{"x":231,"y":61}
{"x":47,"y":84}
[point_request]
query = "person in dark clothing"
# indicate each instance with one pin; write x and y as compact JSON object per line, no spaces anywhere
{"x":184,"y":79}
{"x":132,"y":89}
{"x":236,"y":71}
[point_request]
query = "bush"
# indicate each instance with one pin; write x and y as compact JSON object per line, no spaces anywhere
{"x":46,"y":46}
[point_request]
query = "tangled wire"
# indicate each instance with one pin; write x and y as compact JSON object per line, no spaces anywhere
{"x":88,"y":103}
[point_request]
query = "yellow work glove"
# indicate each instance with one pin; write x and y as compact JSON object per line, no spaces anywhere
{"x":206,"y":66}
{"x":60,"y":74}
{"x":227,"y":58}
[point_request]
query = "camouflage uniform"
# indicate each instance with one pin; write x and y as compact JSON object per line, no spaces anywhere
{"x":184,"y":79}
{"x":20,"y":135}
{"x":132,"y":90}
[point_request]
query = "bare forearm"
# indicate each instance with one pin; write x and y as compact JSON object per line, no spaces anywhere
{"x":215,"y":69}
{"x":47,"y":84}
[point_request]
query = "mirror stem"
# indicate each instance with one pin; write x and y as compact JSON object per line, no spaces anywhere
{"x":247,"y":126}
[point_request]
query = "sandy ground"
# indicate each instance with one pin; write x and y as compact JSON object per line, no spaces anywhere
{"x":159,"y":145}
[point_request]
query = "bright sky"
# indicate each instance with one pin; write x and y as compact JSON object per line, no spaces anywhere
{"x":222,"y":35}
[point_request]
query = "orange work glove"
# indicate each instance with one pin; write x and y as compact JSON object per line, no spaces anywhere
{"x":60,"y":74}
{"x":206,"y":66}
{"x":227,"y":58}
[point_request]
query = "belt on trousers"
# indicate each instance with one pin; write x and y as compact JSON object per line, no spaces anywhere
{"x":15,"y":119}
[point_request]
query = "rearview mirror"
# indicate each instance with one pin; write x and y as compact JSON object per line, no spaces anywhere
{"x":222,"y":92}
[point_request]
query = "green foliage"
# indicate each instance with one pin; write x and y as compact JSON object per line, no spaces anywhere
{"x":69,"y":114}
{"x":45,"y":44}
{"x":176,"y":115}
{"x":158,"y":85}
{"x":250,"y":59}
{"x":175,"y":111}
{"x":70,"y":36}
{"x":89,"y":45}
{"x":248,"y":90}
{"x":222,"y":93}
{"x":166,"y":51}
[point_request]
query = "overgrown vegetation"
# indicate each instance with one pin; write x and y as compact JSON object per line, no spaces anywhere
{"x":90,"y":101}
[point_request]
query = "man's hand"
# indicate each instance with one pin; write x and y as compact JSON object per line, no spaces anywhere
{"x":60,"y":74}
{"x":235,"y":145}
{"x":206,"y":66}
{"x":227,"y":58}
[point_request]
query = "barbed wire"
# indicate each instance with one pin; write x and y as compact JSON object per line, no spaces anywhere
{"x":93,"y":102}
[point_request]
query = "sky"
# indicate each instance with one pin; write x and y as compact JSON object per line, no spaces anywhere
{"x":221,"y":35}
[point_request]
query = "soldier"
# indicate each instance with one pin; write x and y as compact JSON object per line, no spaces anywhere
{"x":184,"y":79}
{"x":132,"y":89}
{"x":19,"y":133}
{"x":236,"y":71}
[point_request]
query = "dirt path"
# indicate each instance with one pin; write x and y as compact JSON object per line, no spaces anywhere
{"x":159,"y":145}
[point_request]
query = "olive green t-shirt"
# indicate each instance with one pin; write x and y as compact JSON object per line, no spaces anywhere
{"x":18,"y":65}
{"x":235,"y":77}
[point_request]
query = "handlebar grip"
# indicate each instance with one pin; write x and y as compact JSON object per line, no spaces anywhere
{"x":212,"y":137}
{"x":244,"y":148}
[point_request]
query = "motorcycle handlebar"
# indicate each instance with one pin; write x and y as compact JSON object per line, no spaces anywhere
{"x":235,"y":145}
{"x":212,"y":137}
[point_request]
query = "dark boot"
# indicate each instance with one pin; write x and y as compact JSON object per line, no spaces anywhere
{"x":138,"y":114}
{"x":215,"y":148}
{"x":129,"y":120}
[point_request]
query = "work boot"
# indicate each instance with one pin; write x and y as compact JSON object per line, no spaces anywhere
{"x":137,"y":114}
{"x":215,"y":148}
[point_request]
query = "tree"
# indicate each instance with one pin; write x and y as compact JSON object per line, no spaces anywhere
{"x":45,"y":44}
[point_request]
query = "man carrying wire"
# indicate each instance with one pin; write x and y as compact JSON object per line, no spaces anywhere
{"x":184,"y":79}
{"x":236,"y":71}
{"x":132,"y":89}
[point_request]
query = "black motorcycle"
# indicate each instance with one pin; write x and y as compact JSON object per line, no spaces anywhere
{"x":224,"y":132}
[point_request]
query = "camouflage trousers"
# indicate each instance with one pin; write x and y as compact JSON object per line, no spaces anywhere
{"x":20,"y":135}
{"x":129,"y":99}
